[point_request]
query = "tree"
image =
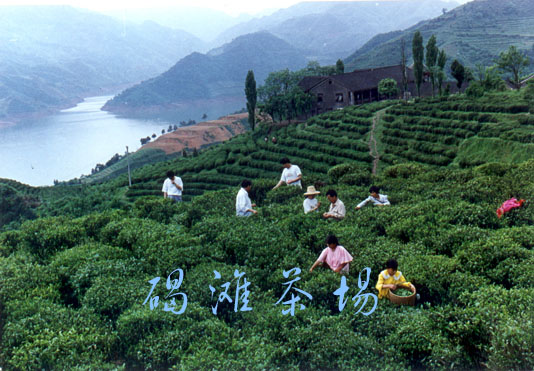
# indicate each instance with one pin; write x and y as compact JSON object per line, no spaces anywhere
{"x":313,"y":68}
{"x":282,"y":98}
{"x":388,"y":87}
{"x":513,"y":62}
{"x":403,"y":67}
{"x":418,"y":53}
{"x":528,"y":92}
{"x":252,"y":96}
{"x":489,"y":78}
{"x":442,"y":60}
{"x":340,"y":67}
{"x":431,"y":59}
{"x":458,"y":72}
{"x":204,"y":116}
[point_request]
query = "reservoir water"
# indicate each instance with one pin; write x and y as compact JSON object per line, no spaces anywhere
{"x":68,"y":144}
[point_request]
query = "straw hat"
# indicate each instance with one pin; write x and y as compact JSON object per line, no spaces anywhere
{"x":311,"y":191}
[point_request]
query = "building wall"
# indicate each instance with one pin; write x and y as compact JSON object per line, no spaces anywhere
{"x":329,"y":96}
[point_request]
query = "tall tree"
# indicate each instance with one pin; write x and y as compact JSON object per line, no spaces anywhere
{"x":282,"y":98}
{"x":340,"y":67}
{"x":432,"y":52}
{"x":514,"y":62}
{"x":403,"y":68}
{"x":458,"y":72}
{"x":252,"y":96}
{"x":442,"y":60}
{"x":418,"y":54}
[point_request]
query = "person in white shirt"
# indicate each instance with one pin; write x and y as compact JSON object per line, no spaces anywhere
{"x":311,"y":203}
{"x":337,"y":208}
{"x":291,"y":175}
{"x":376,"y":198}
{"x":243,"y":206}
{"x":172,"y":187}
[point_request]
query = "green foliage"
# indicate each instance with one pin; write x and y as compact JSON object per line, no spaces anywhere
{"x":340,"y":67}
{"x":528,"y":92}
{"x":337,"y":172}
{"x":514,"y":62}
{"x":72,"y":287}
{"x":405,"y":171}
{"x":440,"y":74}
{"x":252,"y":96}
{"x":281,"y":97}
{"x":13,"y":206}
{"x":388,"y":87}
{"x":431,"y":60}
{"x":418,"y":51}
{"x":357,"y":178}
{"x":458,"y":72}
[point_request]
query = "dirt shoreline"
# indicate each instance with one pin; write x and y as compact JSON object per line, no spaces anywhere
{"x":199,"y":135}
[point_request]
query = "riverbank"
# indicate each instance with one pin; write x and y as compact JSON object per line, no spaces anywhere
{"x":201,"y":134}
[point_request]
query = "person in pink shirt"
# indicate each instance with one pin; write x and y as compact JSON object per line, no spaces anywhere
{"x":335,"y":257}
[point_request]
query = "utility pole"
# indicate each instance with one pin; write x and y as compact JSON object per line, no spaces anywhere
{"x":129,"y":174}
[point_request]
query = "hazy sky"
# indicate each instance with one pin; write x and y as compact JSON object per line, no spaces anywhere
{"x":232,"y":7}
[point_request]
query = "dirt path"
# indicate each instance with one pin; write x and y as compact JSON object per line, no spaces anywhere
{"x":373,"y":151}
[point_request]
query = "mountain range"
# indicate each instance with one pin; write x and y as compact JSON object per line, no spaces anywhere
{"x":474,"y":33}
{"x":52,"y":56}
{"x":210,"y":83}
{"x":326,"y":31}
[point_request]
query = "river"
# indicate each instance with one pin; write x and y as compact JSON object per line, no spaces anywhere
{"x":70,"y":143}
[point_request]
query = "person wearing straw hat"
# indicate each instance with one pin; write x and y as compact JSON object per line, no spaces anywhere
{"x":311,"y":203}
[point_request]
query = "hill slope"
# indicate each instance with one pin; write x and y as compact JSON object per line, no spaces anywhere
{"x":473,"y":271}
{"x":51,"y":56}
{"x":212,"y":82}
{"x":473,"y":33}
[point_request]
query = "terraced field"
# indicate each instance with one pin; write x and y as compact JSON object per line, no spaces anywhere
{"x":316,"y":145}
{"x":437,"y":131}
{"x":455,"y":131}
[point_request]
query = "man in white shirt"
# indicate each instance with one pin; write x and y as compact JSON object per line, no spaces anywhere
{"x":337,"y":208}
{"x":172,"y":187}
{"x":243,"y":206}
{"x":291,"y":174}
{"x":376,"y":198}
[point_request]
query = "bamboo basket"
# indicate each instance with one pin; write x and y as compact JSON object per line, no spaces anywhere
{"x":402,"y":300}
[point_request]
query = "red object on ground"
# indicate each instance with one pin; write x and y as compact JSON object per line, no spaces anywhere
{"x":509,"y":205}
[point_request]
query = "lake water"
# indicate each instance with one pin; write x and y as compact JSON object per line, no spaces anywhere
{"x":70,"y":143}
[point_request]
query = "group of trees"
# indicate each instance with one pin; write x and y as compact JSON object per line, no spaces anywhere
{"x":512,"y":62}
{"x":435,"y":60}
{"x":283,"y":99}
{"x":280,"y":96}
{"x":116,"y":158}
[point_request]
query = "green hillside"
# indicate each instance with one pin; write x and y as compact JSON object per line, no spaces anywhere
{"x":451,"y":131}
{"x":73,"y":281}
{"x":473,"y":33}
{"x":212,"y":78}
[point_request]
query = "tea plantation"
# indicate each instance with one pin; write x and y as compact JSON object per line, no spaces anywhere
{"x":77,"y":263}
